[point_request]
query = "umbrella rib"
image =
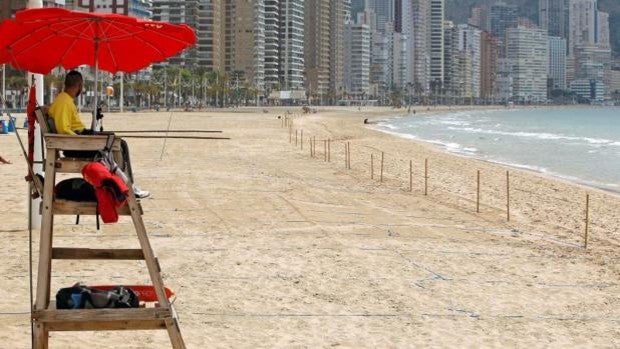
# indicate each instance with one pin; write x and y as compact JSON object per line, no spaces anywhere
{"x":26,"y":49}
{"x":67,"y":50}
{"x":145,"y":41}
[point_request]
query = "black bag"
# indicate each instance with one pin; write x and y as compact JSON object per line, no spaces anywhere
{"x":82,"y":297}
{"x":75,"y":189}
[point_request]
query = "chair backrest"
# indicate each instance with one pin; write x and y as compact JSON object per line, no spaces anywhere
{"x":46,"y":123}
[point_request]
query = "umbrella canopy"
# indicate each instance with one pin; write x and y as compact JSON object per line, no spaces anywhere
{"x":38,"y":40}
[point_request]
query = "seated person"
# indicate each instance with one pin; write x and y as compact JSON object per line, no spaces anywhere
{"x":67,"y":121}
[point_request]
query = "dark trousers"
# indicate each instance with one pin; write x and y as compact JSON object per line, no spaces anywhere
{"x":125,"y":164}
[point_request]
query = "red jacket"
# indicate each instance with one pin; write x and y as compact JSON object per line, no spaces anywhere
{"x":110,"y":190}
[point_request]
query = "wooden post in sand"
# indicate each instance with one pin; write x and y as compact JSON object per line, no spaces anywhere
{"x":314,"y":146}
{"x":585,"y":238}
{"x":372,"y":166}
{"x":381,"y":177}
{"x":329,"y":150}
{"x":310,"y":146}
{"x":296,"y":134}
{"x":478,"y":193}
{"x":290,"y":134}
{"x":426,"y":177}
{"x":302,"y":139}
{"x":410,"y":176}
{"x":349,"y":155}
{"x":345,"y":155}
{"x":325,"y":150}
{"x":508,"y":196}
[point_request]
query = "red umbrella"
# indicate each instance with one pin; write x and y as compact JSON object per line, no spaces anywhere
{"x":38,"y":40}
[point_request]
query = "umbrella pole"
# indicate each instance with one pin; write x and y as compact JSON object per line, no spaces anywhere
{"x":95,"y":123}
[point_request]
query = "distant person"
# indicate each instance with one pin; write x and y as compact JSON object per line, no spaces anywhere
{"x":67,"y":121}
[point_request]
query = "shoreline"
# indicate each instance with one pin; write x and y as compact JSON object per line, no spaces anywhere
{"x":566,"y":179}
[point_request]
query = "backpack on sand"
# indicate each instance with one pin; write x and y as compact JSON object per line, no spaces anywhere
{"x":83,"y":297}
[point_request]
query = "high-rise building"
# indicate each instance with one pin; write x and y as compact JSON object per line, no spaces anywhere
{"x":399,"y":15}
{"x":357,"y":59}
{"x":501,"y":17}
{"x":588,"y":44}
{"x":358,"y":6}
{"x":421,"y":45}
{"x":210,"y":34}
{"x":582,"y":18}
{"x":324,"y":45}
{"x":291,"y":44}
{"x":436,"y":44}
{"x":528,"y":50}
{"x":170,"y":11}
{"x":557,"y":63}
{"x":272,"y":44}
{"x":589,"y":89}
{"x":136,"y":8}
{"x":552,"y":17}
{"x":468,"y":43}
{"x":462,"y":58}
{"x":504,"y":82}
{"x":317,"y":45}
{"x":399,"y":53}
{"x":614,"y":86}
{"x":602,"y":29}
{"x":478,"y":18}
{"x":380,"y":61}
{"x":488,"y":64}
{"x":340,"y":14}
{"x":451,"y":68}
{"x":405,"y":16}
{"x":9,"y":7}
{"x":385,"y":12}
{"x":592,"y":62}
{"x":245,"y":42}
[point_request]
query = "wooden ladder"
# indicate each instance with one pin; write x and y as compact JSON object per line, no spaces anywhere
{"x":45,"y":316}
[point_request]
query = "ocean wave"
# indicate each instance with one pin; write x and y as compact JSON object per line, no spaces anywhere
{"x":538,"y":135}
{"x":388,"y":126}
{"x":454,"y":122}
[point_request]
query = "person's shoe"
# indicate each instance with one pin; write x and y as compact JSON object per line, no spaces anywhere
{"x":140,"y":194}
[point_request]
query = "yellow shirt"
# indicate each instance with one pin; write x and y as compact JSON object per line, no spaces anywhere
{"x":65,"y":115}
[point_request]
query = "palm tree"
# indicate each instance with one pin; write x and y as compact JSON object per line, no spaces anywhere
{"x":55,"y":83}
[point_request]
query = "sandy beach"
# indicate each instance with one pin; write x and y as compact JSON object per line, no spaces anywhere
{"x":267,"y":246}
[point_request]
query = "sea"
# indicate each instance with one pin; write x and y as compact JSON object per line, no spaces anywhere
{"x":578,"y":144}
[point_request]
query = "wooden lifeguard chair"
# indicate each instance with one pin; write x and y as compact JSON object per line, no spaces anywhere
{"x":45,"y":316}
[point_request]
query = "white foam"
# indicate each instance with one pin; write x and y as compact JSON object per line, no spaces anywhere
{"x":388,"y":126}
{"x":538,"y":135}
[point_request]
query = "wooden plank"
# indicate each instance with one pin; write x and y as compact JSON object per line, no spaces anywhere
{"x":89,"y":143}
{"x":72,"y":208}
{"x":87,"y":253}
{"x":101,"y":315}
{"x":128,"y":325}
{"x":41,"y":337}
{"x":174,"y":332}
{"x":149,"y":255}
{"x":41,"y":120}
{"x":68,"y":165}
{"x":73,"y":165}
{"x":45,"y":240}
